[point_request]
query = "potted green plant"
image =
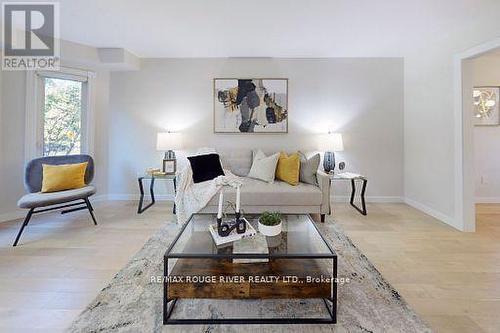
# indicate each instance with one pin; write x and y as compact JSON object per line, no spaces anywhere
{"x":270,"y":223}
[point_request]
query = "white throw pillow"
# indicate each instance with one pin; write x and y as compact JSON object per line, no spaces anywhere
{"x":264,"y":167}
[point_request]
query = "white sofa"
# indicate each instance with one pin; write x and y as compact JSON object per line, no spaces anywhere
{"x":258,"y":196}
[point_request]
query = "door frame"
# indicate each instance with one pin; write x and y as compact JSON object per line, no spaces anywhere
{"x":465,"y":211}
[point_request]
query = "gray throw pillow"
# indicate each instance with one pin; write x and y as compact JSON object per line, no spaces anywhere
{"x":309,"y":168}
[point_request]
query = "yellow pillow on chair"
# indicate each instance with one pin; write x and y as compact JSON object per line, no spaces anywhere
{"x":63,"y":177}
{"x":288,"y":168}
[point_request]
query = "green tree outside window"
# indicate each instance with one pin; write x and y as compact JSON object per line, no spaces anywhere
{"x":62,"y":117}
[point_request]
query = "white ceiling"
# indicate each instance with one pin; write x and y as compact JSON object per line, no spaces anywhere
{"x":274,"y":28}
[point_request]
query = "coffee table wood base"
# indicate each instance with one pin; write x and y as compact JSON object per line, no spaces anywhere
{"x":300,"y":289}
{"x":225,"y":269}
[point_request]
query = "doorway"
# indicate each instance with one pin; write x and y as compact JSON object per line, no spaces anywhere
{"x":470,"y":73}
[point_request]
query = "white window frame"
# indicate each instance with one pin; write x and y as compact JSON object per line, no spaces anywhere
{"x":35,"y":95}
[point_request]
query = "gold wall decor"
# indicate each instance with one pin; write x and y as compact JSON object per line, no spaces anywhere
{"x":486,"y":108}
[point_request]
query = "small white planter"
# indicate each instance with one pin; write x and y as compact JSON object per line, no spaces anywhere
{"x":270,"y":230}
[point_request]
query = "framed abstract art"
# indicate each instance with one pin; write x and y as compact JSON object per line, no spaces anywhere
{"x":250,"y":105}
{"x":486,"y":106}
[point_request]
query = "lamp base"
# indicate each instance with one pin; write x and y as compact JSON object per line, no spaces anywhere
{"x":169,"y":155}
{"x":329,"y":161}
{"x":169,"y":162}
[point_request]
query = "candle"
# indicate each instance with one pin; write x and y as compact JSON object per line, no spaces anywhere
{"x":221,"y":199}
{"x":237,"y":199}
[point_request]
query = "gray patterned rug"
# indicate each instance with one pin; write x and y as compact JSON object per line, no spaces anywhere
{"x":132,"y":303}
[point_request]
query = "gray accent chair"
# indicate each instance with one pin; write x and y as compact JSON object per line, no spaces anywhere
{"x":38,"y":202}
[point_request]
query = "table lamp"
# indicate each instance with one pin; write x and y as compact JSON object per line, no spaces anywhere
{"x":167,"y":142}
{"x":334,"y":143}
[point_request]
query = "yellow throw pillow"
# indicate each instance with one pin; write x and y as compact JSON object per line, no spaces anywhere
{"x":63,"y":177}
{"x":288,"y":168}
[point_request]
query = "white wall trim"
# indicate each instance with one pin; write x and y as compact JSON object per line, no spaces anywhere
{"x":33,"y":118}
{"x":5,"y":217}
{"x":480,"y":49}
{"x":169,"y":197}
{"x":35,"y":98}
{"x":99,"y":198}
{"x":21,"y":213}
{"x":89,"y":114}
{"x":368,"y":199}
{"x":14,"y":215}
{"x":487,"y":199}
{"x":434,"y":213}
{"x":130,"y":197}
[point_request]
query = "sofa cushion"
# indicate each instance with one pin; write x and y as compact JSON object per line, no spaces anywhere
{"x":257,"y":193}
{"x":238,"y":161}
{"x":38,"y":199}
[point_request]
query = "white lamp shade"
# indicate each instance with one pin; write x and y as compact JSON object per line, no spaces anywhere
{"x":335,"y":142}
{"x":168,"y":141}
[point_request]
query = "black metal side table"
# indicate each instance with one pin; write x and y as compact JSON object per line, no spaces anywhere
{"x":152,"y":179}
{"x":353,"y":177}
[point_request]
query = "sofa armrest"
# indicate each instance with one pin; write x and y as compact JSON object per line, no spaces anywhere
{"x":324,"y":185}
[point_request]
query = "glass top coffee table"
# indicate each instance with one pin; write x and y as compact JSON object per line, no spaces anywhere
{"x":297,"y":264}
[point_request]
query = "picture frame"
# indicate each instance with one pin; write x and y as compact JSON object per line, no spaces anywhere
{"x":169,"y":166}
{"x":250,"y":105}
{"x":486,"y":105}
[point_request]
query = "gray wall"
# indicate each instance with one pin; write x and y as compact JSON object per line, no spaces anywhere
{"x":359,"y":97}
{"x":2,"y":174}
{"x":362,"y":98}
{"x":12,"y":139}
{"x":12,"y":126}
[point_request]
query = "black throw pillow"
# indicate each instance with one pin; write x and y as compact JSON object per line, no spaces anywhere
{"x":205,"y":167}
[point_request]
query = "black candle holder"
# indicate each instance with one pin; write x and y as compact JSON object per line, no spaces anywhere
{"x":241,"y":225}
{"x":224,"y":229}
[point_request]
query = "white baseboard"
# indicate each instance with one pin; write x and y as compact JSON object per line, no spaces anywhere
{"x":487,"y":199}
{"x":434,"y":213}
{"x":21,"y":213}
{"x":14,"y":215}
{"x":130,"y":197}
{"x":169,"y":197}
{"x":369,"y":199}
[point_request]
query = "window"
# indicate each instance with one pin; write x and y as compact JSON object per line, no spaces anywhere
{"x":62,"y":117}
{"x":58,"y":113}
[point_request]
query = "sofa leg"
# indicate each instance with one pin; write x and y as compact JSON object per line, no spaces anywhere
{"x":91,"y":210}
{"x":25,"y":223}
{"x":323,"y":217}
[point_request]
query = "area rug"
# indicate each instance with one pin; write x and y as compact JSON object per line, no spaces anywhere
{"x":132,"y":303}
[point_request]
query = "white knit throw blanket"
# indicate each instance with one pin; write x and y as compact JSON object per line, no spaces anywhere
{"x":191,"y":197}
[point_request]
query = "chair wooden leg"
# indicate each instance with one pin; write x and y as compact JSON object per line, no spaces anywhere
{"x":25,"y":223}
{"x":91,"y":210}
{"x":323,"y":218}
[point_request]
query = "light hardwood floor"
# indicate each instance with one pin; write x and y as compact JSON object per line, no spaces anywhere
{"x":451,"y":279}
